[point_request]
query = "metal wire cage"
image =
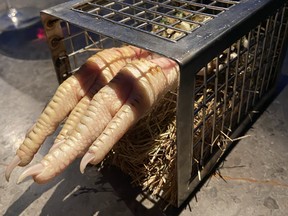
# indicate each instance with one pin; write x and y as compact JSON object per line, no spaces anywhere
{"x":229,"y":53}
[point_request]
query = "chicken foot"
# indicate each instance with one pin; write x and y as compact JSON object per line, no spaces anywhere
{"x":112,"y":111}
{"x":97,"y":71}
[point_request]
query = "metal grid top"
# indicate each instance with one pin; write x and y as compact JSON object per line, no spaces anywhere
{"x":171,"y":20}
{"x":178,"y":29}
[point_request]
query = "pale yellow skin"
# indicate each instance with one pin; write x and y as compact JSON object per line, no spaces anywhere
{"x":96,"y":72}
{"x":97,"y":123}
{"x":107,"y":73}
{"x":151,"y":80}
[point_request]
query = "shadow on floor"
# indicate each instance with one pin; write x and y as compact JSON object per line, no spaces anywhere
{"x":102,"y":193}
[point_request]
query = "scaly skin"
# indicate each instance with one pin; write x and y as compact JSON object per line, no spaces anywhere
{"x":66,"y":97}
{"x":112,"y":111}
{"x":148,"y":88}
{"x":100,"y":111}
{"x":97,"y":71}
{"x":106,"y":75}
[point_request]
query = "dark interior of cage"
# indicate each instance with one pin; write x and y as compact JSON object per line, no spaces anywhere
{"x":227,"y":89}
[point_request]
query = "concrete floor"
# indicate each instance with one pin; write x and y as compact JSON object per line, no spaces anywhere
{"x":255,"y":172}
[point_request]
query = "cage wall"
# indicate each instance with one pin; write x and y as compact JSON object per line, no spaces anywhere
{"x":226,"y":95}
{"x":229,"y":88}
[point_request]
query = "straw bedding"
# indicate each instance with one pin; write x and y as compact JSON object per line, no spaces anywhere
{"x":148,"y":151}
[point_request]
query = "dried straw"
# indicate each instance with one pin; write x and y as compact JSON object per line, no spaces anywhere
{"x":148,"y":151}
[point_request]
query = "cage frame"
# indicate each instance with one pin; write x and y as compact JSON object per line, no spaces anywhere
{"x":191,"y":53}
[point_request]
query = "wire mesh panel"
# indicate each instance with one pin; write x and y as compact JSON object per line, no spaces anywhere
{"x":229,"y":53}
{"x":171,"y":20}
{"x":229,"y":87}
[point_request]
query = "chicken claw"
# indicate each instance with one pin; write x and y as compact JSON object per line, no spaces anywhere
{"x":87,"y":158}
{"x":15,"y":162}
{"x":31,"y":171}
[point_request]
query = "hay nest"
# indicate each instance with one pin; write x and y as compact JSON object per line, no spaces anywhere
{"x":148,"y":151}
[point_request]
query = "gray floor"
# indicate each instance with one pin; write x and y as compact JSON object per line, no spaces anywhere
{"x":255,"y":172}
